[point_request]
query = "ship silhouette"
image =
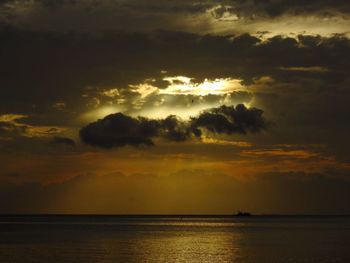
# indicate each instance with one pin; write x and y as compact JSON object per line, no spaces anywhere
{"x":241,"y":213}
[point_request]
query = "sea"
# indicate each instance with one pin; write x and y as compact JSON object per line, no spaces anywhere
{"x":250,"y":239}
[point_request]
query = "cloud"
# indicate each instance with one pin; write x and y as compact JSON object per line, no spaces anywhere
{"x":70,"y":63}
{"x":274,"y":8}
{"x":118,"y":130}
{"x":63,"y":140}
{"x":12,"y":129}
{"x":100,"y":16}
{"x":308,"y":87}
{"x":220,"y":17}
{"x":230,"y":120}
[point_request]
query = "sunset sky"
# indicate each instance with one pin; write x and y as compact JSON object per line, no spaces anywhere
{"x":175,"y":107}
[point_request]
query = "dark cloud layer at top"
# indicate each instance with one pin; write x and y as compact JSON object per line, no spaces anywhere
{"x":154,"y":8}
{"x":197,"y":16}
{"x":275,"y":8}
{"x":309,"y":87}
{"x":60,"y":66}
{"x":118,"y":130}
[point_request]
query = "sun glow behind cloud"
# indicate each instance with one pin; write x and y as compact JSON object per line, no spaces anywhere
{"x":192,"y":96}
{"x":185,"y":85}
{"x":164,"y":111}
{"x":99,"y":113}
{"x":158,"y":98}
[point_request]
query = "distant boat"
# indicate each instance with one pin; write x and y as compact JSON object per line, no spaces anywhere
{"x":240,"y":213}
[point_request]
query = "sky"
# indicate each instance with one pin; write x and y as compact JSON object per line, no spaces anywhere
{"x":174,"y":107}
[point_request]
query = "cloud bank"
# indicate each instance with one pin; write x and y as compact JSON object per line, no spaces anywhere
{"x":118,"y":130}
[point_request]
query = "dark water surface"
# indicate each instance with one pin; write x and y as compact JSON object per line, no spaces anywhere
{"x":174,"y":239}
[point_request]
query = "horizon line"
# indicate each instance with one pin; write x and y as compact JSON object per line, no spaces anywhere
{"x":172,"y":215}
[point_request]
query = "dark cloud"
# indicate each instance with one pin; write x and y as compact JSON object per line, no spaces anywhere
{"x":63,"y":140}
{"x":56,"y":3}
{"x":158,"y":10}
{"x":64,"y":67}
{"x":118,"y":130}
{"x":230,"y":120}
{"x":100,"y":16}
{"x":142,"y":6}
{"x":59,"y":67}
{"x":174,"y":129}
{"x":275,"y":8}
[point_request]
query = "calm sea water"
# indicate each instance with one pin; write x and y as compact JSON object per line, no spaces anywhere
{"x":174,"y":239}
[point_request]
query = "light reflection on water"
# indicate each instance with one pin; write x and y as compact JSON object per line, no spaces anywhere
{"x":157,"y":239}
